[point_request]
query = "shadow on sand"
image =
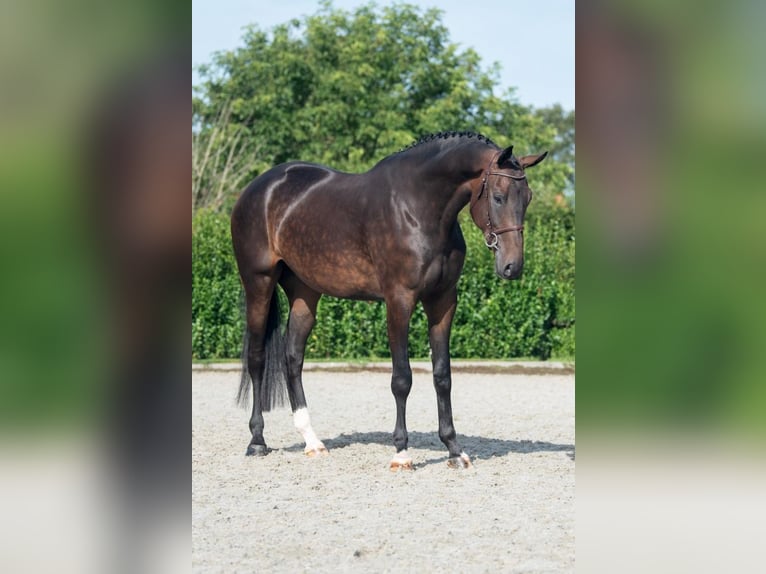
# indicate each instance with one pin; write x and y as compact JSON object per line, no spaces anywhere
{"x":476,"y":446}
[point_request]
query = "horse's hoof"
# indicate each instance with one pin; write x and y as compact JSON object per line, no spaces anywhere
{"x":320,"y":450}
{"x":461,"y":461}
{"x":401,"y":461}
{"x":397,"y":465}
{"x":257,"y":450}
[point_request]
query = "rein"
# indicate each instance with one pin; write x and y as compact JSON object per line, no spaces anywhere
{"x":492,"y":232}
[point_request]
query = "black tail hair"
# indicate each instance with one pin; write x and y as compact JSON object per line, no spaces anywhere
{"x":273,"y":391}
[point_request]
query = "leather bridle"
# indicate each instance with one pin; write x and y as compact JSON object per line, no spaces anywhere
{"x":492,"y":232}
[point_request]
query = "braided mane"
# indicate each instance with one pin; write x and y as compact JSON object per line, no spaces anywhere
{"x":446,"y":135}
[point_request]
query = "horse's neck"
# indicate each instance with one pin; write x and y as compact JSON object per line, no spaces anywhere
{"x":456,"y":175}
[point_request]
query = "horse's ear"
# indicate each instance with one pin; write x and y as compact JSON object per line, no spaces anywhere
{"x":505,"y":155}
{"x":530,"y":160}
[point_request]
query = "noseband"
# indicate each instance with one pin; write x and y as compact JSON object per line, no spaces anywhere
{"x":492,"y":232}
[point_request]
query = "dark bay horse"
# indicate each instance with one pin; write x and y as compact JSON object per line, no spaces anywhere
{"x":390,"y":234}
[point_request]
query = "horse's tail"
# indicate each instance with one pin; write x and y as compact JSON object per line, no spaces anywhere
{"x":273,"y":391}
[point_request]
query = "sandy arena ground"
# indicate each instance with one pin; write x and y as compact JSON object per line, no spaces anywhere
{"x":346,"y":512}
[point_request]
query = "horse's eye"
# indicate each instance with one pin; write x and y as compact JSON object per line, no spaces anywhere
{"x":498,"y":199}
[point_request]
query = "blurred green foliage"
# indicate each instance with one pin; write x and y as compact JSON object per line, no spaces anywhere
{"x":674,"y":317}
{"x":496,"y":319}
{"x":59,"y":62}
{"x":47,"y":290}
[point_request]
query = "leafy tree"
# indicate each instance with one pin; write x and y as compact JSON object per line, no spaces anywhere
{"x":222,"y":162}
{"x":348,"y":88}
{"x":563,"y":147}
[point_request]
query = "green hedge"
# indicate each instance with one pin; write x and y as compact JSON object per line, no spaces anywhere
{"x":496,"y":319}
{"x":217,"y":319}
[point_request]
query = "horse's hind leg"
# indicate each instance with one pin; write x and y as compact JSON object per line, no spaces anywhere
{"x":440,"y":311}
{"x":258,"y":292}
{"x":303,"y":306}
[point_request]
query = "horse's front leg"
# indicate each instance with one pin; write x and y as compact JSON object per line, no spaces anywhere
{"x":398,"y":313}
{"x":440,"y":311}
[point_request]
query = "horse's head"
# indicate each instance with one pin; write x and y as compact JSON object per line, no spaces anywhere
{"x":499,"y":208}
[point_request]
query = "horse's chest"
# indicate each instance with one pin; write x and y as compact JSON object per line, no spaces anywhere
{"x":422,"y":262}
{"x":442,"y":272}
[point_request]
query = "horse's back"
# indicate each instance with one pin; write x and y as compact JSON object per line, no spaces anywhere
{"x":286,"y":177}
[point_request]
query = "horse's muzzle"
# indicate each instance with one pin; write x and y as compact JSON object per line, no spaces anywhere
{"x":511,"y":270}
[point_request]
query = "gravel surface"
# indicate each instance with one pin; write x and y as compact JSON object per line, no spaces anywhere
{"x":346,"y":512}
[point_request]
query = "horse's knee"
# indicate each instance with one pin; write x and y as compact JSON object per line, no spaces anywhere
{"x":401,"y":383}
{"x":442,"y":382}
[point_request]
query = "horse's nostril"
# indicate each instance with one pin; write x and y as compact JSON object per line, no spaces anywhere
{"x":508,"y":271}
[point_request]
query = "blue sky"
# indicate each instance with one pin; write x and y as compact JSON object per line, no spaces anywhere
{"x":533,"y":41}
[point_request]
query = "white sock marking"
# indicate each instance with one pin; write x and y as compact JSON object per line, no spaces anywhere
{"x":402,"y":457}
{"x":302,"y":422}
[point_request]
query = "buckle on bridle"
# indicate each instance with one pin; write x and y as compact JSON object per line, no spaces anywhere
{"x":492,"y":245}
